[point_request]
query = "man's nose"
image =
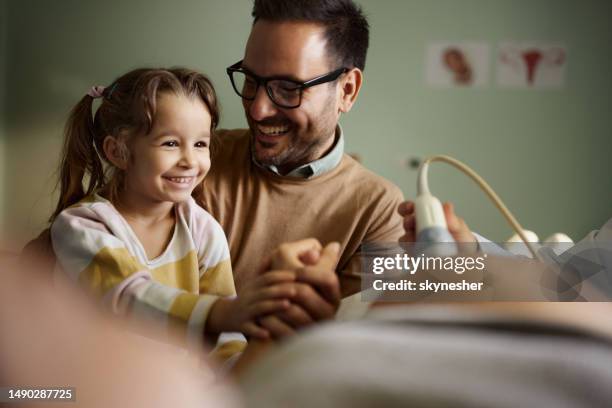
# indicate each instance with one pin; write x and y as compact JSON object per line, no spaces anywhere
{"x":262,"y":106}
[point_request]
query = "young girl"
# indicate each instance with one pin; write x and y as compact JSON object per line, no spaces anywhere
{"x":134,"y":237}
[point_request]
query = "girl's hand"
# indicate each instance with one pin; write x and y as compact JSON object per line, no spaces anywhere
{"x":266,"y":294}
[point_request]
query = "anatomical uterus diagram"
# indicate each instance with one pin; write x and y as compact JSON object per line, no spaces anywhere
{"x":531,"y":65}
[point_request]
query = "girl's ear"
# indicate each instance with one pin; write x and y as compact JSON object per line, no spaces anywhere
{"x":114,"y":150}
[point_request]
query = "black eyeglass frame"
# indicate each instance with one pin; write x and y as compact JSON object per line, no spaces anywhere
{"x":321,"y":79}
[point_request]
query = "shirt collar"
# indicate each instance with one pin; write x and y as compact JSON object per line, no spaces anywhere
{"x":316,"y":167}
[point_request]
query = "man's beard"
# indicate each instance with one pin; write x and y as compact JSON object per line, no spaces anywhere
{"x":297,"y":152}
{"x":298,"y":149}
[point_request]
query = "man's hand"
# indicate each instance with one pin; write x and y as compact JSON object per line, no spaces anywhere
{"x":322,"y":274}
{"x":317,"y":287}
{"x":456,"y":225}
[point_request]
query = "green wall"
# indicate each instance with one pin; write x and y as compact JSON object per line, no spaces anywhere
{"x":3,"y":43}
{"x":546,"y":152}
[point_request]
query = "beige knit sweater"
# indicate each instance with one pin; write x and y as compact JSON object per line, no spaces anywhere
{"x":259,"y":210}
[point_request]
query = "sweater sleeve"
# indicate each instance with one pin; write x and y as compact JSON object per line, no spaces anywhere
{"x":214,"y":261}
{"x":102,"y":264}
{"x":386,"y":227}
{"x":216,"y":275}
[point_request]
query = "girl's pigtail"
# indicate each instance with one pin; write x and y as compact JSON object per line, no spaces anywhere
{"x":79,"y":158}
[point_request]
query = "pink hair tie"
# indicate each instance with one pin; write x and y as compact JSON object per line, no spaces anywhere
{"x":96,"y":91}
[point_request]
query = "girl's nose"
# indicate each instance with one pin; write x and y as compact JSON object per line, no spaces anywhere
{"x":187,"y":157}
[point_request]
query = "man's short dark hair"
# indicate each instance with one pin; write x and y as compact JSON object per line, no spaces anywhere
{"x":346,"y":28}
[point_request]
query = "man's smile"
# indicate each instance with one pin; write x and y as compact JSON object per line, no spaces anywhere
{"x":267,"y":135}
{"x":273,"y":130}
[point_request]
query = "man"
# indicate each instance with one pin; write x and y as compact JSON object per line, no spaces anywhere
{"x":287,"y":177}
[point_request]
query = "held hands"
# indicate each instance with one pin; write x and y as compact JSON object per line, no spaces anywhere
{"x":313,"y":265}
{"x":317,"y":289}
{"x":456,"y":225}
{"x":296,"y":287}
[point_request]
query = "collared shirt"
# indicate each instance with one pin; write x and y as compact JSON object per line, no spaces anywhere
{"x":316,"y":167}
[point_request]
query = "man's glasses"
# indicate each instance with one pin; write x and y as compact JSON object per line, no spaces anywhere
{"x":284,"y":92}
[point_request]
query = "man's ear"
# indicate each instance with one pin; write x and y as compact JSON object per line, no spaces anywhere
{"x":350,"y":86}
{"x":114,"y":150}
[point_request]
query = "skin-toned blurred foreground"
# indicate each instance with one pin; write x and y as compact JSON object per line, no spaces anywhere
{"x":53,"y":337}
